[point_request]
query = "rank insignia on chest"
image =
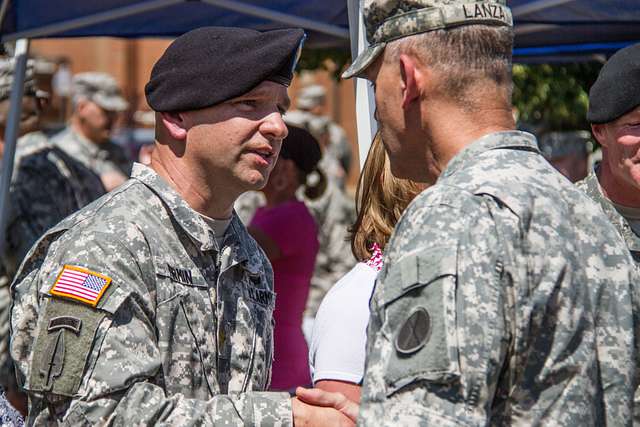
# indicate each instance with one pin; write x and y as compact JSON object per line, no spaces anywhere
{"x":80,"y":284}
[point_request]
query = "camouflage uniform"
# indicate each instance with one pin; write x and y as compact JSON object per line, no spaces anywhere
{"x":181,"y":336}
{"x":505,"y":299}
{"x":8,"y":415}
{"x":591,"y":187}
{"x":100,"y":158}
{"x":46,"y":186}
{"x":335,"y":211}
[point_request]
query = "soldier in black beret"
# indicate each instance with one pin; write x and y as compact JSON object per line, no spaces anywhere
{"x":614,"y":113}
{"x":156,"y":306}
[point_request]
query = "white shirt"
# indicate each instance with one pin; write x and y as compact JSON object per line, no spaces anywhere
{"x":339,"y":337}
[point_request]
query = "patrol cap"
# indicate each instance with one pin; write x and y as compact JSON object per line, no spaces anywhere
{"x":209,"y":65}
{"x":617,"y":88}
{"x":310,"y":96}
{"x":388,"y":20}
{"x":7,"y":68}
{"x":301,"y":147}
{"x":100,"y":88}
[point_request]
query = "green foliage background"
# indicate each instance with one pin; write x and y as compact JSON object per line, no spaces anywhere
{"x":554,"y":97}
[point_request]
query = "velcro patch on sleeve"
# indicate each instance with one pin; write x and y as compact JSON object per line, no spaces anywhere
{"x":80,"y":284}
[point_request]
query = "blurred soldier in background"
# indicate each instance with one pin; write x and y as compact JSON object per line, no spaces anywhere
{"x":335,"y":210}
{"x":97,"y":101}
{"x":46,"y":186}
{"x":337,"y":156}
{"x":568,"y":152}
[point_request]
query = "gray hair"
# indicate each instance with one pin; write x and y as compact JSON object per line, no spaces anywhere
{"x":464,"y":56}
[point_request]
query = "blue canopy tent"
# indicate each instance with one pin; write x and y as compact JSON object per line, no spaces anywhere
{"x":545,"y":29}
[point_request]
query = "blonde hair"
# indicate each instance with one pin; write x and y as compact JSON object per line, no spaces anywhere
{"x":380,"y":200}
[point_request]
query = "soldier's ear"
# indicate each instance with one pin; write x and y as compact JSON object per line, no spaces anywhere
{"x":175,"y":125}
{"x":600,"y":133}
{"x":410,"y":80}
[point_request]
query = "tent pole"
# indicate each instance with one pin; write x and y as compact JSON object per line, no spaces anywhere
{"x":3,"y":10}
{"x":11,"y":131}
{"x":365,"y":100}
{"x":285,"y":18}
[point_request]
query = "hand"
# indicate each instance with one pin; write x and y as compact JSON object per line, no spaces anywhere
{"x":305,"y":415}
{"x":317,"y":397}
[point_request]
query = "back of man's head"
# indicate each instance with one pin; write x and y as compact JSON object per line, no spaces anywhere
{"x":468,"y":42}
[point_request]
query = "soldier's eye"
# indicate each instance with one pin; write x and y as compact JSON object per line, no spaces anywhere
{"x":248,"y":103}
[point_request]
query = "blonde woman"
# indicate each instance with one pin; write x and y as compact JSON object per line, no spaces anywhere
{"x":337,"y":350}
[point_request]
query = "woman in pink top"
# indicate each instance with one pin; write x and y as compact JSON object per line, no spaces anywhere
{"x":287,"y":233}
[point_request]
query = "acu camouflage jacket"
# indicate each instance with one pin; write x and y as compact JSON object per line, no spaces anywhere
{"x":506,"y":298}
{"x":181,"y":332}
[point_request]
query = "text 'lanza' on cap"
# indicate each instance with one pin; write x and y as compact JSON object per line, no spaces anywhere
{"x":388,"y":20}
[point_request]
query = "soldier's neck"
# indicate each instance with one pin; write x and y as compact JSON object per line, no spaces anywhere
{"x":617,"y":190}
{"x":449,"y":129}
{"x":199,"y":196}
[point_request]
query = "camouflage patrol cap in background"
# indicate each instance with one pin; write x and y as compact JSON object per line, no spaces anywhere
{"x":100,"y":88}
{"x":7,"y":66}
{"x":561,"y":144}
{"x":388,"y":20}
{"x":310,"y":96}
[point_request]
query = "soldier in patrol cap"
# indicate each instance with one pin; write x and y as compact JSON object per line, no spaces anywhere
{"x":97,"y":101}
{"x":153,"y":304}
{"x":505,"y":297}
{"x":568,"y":152}
{"x":46,"y":186}
{"x":335,"y":211}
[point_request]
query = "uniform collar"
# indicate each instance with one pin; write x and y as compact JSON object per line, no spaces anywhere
{"x":233,"y":250}
{"x":594,"y":190}
{"x":498,"y":140}
{"x":92,"y":149}
{"x":188,"y":219}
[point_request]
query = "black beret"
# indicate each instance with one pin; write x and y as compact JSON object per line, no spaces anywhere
{"x":617,"y":89}
{"x":301,"y":147}
{"x":210,"y":65}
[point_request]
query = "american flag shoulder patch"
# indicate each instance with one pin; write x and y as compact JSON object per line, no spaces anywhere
{"x":80,"y":284}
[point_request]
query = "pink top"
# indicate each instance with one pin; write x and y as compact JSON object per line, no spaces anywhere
{"x":293,"y":229}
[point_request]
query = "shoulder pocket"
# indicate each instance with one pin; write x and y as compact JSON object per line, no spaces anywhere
{"x":420,"y":319}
